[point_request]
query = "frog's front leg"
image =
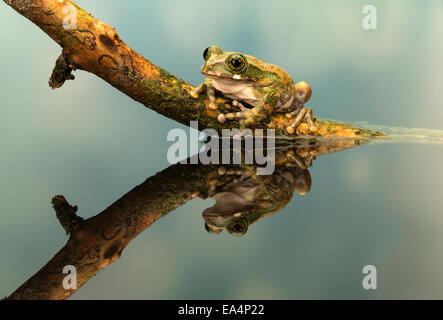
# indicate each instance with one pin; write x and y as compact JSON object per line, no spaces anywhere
{"x":257,"y":114}
{"x":210,"y":91}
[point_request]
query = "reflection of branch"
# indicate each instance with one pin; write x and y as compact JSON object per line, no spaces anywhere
{"x":97,"y":242}
{"x":96,"y":47}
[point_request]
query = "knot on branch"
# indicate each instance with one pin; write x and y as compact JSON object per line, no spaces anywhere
{"x":66,"y":214}
{"x":61,"y":73}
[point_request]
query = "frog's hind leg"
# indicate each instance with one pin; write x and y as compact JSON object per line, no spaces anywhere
{"x":310,"y":122}
{"x":306,"y":115}
{"x":296,"y":122}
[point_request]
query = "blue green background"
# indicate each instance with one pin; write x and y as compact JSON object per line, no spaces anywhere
{"x":378,"y":204}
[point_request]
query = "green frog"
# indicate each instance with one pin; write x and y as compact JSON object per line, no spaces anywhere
{"x":243,"y":197}
{"x":257,"y":88}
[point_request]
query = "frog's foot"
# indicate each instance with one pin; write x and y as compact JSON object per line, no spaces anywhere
{"x":196,"y":92}
{"x":309,"y":159}
{"x":296,"y":122}
{"x":308,"y":117}
{"x":239,"y":105}
{"x":222,"y":171}
{"x":245,"y":114}
{"x":211,"y":95}
{"x":221,"y":118}
{"x":212,"y":105}
{"x":210,"y":91}
{"x":234,"y":116}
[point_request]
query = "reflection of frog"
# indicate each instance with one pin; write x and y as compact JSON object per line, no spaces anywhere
{"x":264,"y":87}
{"x":242,"y":197}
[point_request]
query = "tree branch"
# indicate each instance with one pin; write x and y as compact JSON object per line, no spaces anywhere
{"x":95,"y":47}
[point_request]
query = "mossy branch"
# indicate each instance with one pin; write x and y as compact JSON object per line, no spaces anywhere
{"x":95,"y":47}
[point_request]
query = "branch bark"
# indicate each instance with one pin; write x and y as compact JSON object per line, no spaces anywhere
{"x":95,"y":47}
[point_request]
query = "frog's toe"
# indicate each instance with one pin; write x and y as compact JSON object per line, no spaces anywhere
{"x":290,"y":155}
{"x":296,"y":122}
{"x":290,"y":130}
{"x":313,"y":129}
{"x":243,"y":124}
{"x":194,"y":94}
{"x":238,"y":104}
{"x":221,"y":118}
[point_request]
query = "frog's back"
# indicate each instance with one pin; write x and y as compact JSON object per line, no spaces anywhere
{"x":275,"y":75}
{"x":279,"y":79}
{"x":285,"y":78}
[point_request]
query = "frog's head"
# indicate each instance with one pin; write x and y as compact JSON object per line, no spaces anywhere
{"x":236,"y":227}
{"x":231,"y":65}
{"x":228,"y":212}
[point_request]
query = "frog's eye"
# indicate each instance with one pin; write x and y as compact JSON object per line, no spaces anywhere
{"x":236,"y":62}
{"x":206,"y":53}
{"x":237,"y":228}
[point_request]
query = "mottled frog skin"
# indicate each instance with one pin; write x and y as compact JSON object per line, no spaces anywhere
{"x":242,"y":197}
{"x":257,"y":88}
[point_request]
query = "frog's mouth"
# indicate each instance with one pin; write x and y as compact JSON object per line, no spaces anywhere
{"x":227,"y":204}
{"x":218,"y":75}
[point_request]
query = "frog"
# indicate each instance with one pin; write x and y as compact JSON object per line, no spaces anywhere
{"x":258,"y":89}
{"x":242,"y":197}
